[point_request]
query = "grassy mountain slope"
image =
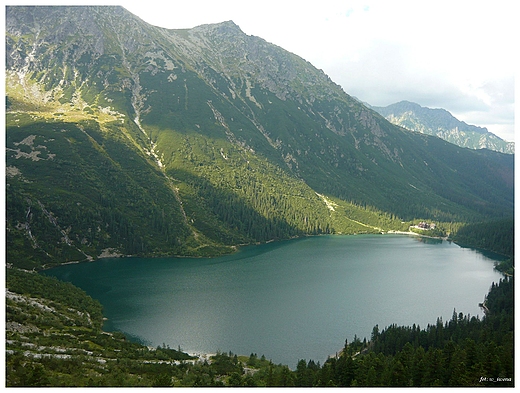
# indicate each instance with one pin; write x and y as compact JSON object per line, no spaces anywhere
{"x":124,"y":138}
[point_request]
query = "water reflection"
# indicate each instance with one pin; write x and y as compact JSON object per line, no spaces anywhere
{"x":428,"y":240}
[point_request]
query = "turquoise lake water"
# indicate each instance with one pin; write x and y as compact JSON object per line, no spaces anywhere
{"x":291,"y":300}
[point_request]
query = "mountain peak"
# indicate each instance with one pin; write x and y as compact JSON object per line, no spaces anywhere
{"x":408,"y":103}
{"x":441,"y":123}
{"x":157,"y":141}
{"x":228,"y":24}
{"x":226,"y":27}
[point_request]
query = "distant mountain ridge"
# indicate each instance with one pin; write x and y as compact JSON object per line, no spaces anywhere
{"x":441,"y":123}
{"x":124,"y":138}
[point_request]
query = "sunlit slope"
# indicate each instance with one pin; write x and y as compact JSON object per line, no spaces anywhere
{"x":124,"y":138}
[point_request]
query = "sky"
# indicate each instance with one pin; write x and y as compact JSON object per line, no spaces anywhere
{"x":458,"y":55}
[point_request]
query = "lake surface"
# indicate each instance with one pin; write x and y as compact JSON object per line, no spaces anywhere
{"x":291,"y":300}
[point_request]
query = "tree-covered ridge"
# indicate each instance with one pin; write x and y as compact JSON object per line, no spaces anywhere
{"x":75,"y":190}
{"x":54,"y":338}
{"x":497,"y":236}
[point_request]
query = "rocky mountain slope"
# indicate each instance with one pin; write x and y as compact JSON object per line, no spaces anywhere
{"x":125,"y":138}
{"x":441,"y":123}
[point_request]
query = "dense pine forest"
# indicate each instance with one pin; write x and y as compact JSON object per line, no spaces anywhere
{"x":497,"y":236}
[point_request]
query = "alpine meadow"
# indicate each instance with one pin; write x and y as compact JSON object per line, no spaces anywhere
{"x":126,"y":139}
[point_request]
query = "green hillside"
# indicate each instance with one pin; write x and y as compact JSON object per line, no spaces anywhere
{"x":128,"y":139}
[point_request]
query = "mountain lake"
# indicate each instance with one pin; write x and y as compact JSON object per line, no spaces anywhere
{"x":290,"y":300}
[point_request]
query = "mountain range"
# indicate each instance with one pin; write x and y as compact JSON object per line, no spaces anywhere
{"x":441,"y":123}
{"x":124,"y":138}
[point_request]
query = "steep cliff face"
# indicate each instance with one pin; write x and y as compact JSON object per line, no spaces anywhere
{"x":128,"y":138}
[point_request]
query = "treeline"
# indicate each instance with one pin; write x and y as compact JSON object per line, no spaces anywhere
{"x":246,"y":196}
{"x":262,"y":216}
{"x":98,"y":191}
{"x":464,"y":351}
{"x":497,"y":236}
{"x":232,"y":195}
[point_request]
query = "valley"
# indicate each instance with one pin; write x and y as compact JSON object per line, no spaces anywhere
{"x":127,"y":139}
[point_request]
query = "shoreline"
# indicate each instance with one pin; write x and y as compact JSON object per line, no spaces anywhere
{"x":236,"y":248}
{"x":446,"y":238}
{"x":199,"y":356}
{"x":112,"y":253}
